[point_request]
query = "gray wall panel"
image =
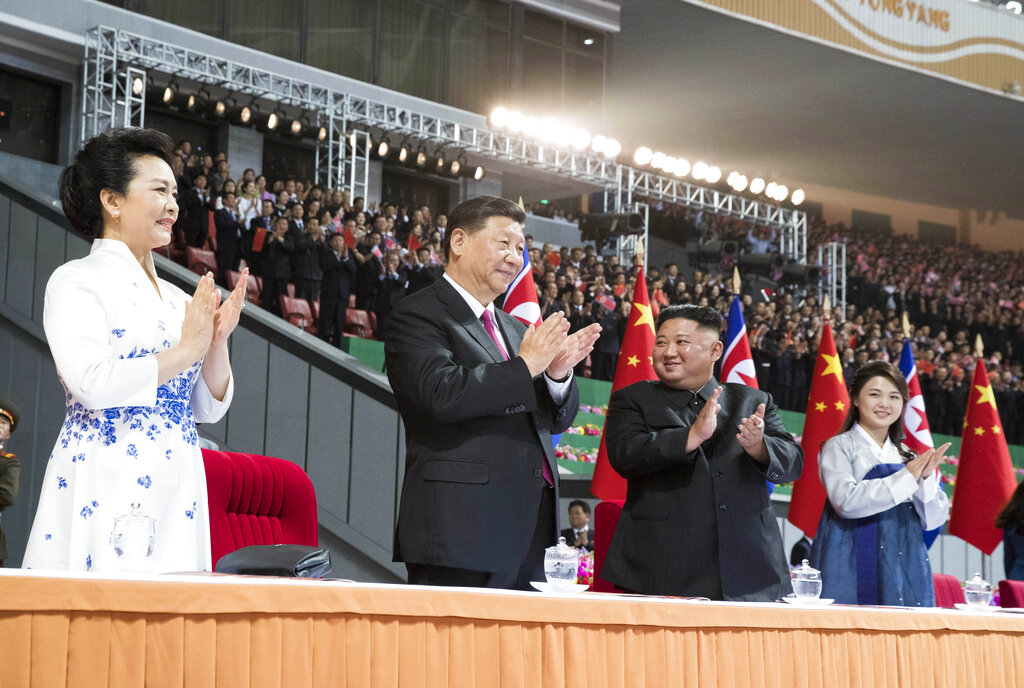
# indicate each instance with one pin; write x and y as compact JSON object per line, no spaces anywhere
{"x":21,"y":252}
{"x":75,"y":246}
{"x":329,"y":442}
{"x":5,"y":235}
{"x":247,"y":417}
{"x":374,"y":469}
{"x":287,"y":400}
{"x":49,"y":256}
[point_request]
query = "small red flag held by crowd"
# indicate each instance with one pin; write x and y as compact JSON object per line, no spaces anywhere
{"x":634,"y":365}
{"x":826,"y":410}
{"x":984,"y":477}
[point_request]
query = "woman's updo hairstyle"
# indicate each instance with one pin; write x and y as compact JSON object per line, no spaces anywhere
{"x":106,"y":162}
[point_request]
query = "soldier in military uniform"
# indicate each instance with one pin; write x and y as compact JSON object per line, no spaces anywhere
{"x":10,"y":467}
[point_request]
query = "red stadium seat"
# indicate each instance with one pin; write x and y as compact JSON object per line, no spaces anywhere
{"x":200,"y":261}
{"x":257,"y":500}
{"x":947,"y":590}
{"x":357,"y":323}
{"x":298,"y":313}
{"x":252,"y":289}
{"x":315,"y":306}
{"x":606,"y":520}
{"x":1011,"y":593}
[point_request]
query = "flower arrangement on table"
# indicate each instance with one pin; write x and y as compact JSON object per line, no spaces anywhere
{"x":585,"y":573}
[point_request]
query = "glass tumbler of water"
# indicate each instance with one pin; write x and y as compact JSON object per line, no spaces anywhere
{"x":977,"y":591}
{"x":561,"y":563}
{"x":806,"y":581}
{"x":133,"y":537}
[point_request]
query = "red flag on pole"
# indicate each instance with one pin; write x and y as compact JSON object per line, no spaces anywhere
{"x":634,"y":366}
{"x":984,"y":478}
{"x":826,"y":410}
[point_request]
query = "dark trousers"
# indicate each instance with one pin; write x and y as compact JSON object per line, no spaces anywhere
{"x":530,"y":569}
{"x":333,"y":316}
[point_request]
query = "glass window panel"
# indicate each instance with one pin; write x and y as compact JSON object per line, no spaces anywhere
{"x":198,"y":15}
{"x":477,"y":65}
{"x":29,"y":117}
{"x":270,"y":26}
{"x":411,"y":44}
{"x":541,"y":86}
{"x":584,"y":81}
{"x":494,"y":11}
{"x":542,"y":27}
{"x":585,"y":40}
{"x":340,"y":37}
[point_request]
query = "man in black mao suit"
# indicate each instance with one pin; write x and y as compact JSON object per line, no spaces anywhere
{"x":479,"y":498}
{"x":697,"y":521}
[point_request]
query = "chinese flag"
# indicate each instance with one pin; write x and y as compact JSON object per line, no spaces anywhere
{"x":826,"y":411}
{"x":348,"y":237}
{"x":634,"y":366}
{"x":984,"y":478}
{"x":413,"y":244}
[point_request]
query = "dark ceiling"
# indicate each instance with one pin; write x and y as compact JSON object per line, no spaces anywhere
{"x":699,"y":84}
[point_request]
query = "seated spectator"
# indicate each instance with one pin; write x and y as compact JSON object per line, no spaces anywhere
{"x":579,"y":534}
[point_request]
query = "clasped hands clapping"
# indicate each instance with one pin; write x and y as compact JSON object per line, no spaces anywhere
{"x":549,"y":348}
{"x":208,"y":322}
{"x":751,"y":428}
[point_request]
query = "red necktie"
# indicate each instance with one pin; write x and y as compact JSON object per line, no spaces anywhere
{"x":492,"y":332}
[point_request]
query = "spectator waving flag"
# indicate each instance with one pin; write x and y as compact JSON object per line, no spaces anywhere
{"x":915,"y":422}
{"x":634,"y":365}
{"x":984,"y":477}
{"x":737,"y":362}
{"x":521,"y":296}
{"x":826,"y":410}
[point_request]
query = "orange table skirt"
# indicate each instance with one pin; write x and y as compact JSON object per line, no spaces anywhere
{"x":220,"y":631}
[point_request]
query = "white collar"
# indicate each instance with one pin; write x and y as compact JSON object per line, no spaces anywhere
{"x":474,"y":305}
{"x":887,"y":451}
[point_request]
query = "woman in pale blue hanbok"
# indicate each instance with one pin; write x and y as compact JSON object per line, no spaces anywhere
{"x":140,"y":363}
{"x":870,"y":544}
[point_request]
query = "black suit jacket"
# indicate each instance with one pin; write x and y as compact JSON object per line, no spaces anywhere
{"x":697,"y":524}
{"x":338,"y":275}
{"x":570,"y":537}
{"x":477,"y":429}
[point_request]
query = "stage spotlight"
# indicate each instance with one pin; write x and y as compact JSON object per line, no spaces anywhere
{"x":580,"y":139}
{"x":383,"y":147}
{"x":456,"y":166}
{"x":213,"y":109}
{"x":184,"y":102}
{"x":741,"y":183}
{"x":421,"y":157}
{"x":296,"y":127}
{"x":547,"y":130}
{"x":598,"y":143}
{"x":531,"y":126}
{"x":781,"y":191}
{"x":769,"y":190}
{"x":352,"y":139}
{"x":612,"y":148}
{"x":476,"y":172}
{"x":1014,"y":6}
{"x":268,"y":121}
{"x":682,"y":167}
{"x":160,"y":95}
{"x":439,"y":162}
{"x":658,"y":160}
{"x":798,"y":197}
{"x":643,"y":155}
{"x":756,"y":185}
{"x":403,"y":152}
{"x":700,"y":170}
{"x":515,"y":121}
{"x":499,"y":117}
{"x":714,"y":174}
{"x":138,"y":86}
{"x":242,"y":115}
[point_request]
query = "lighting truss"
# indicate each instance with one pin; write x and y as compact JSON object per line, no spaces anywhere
{"x":832,"y":259}
{"x":110,"y":52}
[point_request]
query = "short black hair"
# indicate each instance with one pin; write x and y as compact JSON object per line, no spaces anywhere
{"x":471,"y":216}
{"x":581,"y":504}
{"x":106,"y":161}
{"x":706,"y":317}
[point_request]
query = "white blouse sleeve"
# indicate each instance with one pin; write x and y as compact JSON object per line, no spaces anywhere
{"x":931,"y":502}
{"x":853,"y":498}
{"x":78,"y":333}
{"x":205,"y":407}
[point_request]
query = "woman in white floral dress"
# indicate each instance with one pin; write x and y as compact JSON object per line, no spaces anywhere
{"x":140,"y":363}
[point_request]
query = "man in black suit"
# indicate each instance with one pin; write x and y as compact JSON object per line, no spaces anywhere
{"x":480,"y":395}
{"x":339,"y":272}
{"x":579,"y":534}
{"x":697,"y":520}
{"x":194,"y":204}
{"x":229,"y":226}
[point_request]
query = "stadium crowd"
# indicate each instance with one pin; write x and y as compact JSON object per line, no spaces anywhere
{"x":302,"y":240}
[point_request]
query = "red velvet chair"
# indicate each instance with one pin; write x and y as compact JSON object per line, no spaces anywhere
{"x":606,"y":520}
{"x":200,"y":261}
{"x":298,"y":313}
{"x":1011,"y":593}
{"x":257,"y":500}
{"x":947,"y":590}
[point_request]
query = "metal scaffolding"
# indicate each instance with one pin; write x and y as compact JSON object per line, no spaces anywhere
{"x":111,"y":52}
{"x":832,"y":259}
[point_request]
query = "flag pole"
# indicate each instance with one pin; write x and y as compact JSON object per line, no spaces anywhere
{"x":827,"y":307}
{"x":736,"y":280}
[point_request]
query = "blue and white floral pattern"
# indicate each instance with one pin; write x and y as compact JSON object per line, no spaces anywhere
{"x":145,"y":448}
